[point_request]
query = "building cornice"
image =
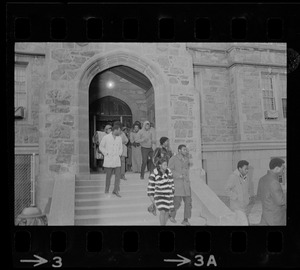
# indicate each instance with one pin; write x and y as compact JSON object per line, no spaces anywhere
{"x":243,"y":146}
{"x":30,"y":54}
{"x":198,"y":65}
{"x":228,"y":50}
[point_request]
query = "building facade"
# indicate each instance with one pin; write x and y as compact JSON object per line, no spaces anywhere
{"x":225,"y":101}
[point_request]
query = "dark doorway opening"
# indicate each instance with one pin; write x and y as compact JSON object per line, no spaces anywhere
{"x":106,"y":111}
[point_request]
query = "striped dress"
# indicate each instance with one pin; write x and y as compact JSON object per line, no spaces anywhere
{"x":161,"y":187}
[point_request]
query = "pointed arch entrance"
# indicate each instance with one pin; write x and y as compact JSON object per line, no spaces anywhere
{"x":98,"y":64}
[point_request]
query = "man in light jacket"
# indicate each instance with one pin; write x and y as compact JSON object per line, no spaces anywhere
{"x":112,"y":148}
{"x":270,"y":193}
{"x":179,"y":166}
{"x":237,"y":188}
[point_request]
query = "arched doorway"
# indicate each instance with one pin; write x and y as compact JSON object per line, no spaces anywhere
{"x":120,"y":94}
{"x":98,"y":64}
{"x":105,"y":111}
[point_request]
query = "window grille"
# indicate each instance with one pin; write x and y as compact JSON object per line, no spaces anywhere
{"x":23,"y":188}
{"x":20,"y":86}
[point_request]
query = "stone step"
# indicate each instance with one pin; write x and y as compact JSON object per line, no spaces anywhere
{"x":95,"y":176}
{"x":102,"y":195}
{"x":136,"y":218}
{"x":104,"y":210}
{"x":96,"y":183}
{"x":123,"y":187}
{"x":112,"y":201}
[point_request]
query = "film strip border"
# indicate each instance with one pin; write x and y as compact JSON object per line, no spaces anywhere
{"x":153,"y":247}
{"x":153,"y":22}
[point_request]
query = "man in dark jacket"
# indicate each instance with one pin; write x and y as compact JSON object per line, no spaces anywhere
{"x":270,"y":193}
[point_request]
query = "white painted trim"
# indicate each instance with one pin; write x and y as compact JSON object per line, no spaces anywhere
{"x":27,"y":149}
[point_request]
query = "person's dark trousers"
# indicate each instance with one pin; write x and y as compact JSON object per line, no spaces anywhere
{"x":123,"y":166}
{"x":109,"y":172}
{"x":187,"y":206}
{"x":146,"y":153}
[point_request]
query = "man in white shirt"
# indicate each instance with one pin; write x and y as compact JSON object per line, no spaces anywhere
{"x":112,"y":148}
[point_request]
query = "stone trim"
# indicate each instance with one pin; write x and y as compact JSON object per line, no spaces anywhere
{"x":243,"y":146}
{"x":27,"y":149}
{"x":198,"y":65}
{"x":225,"y":51}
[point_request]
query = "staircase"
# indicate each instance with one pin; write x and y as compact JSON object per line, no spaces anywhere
{"x":93,"y":207}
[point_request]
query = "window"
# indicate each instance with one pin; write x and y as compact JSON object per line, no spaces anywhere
{"x":268,"y":93}
{"x":284,"y":107}
{"x":20,"y":86}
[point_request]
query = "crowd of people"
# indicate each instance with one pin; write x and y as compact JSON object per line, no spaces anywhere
{"x":121,"y":150}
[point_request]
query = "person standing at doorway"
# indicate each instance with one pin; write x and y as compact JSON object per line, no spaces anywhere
{"x":128,"y":161}
{"x":237,"y":188}
{"x":112,"y":149}
{"x":163,"y":151}
{"x":124,"y":153}
{"x":107,"y":129}
{"x":179,"y":165}
{"x":144,"y":137}
{"x":97,"y":137}
{"x":161,"y":190}
{"x":136,"y":150}
{"x":270,"y":193}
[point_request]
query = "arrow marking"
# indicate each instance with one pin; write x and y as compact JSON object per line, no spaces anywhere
{"x":38,"y":262}
{"x":181,"y":261}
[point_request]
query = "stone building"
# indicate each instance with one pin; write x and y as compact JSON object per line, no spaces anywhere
{"x":225,"y":101}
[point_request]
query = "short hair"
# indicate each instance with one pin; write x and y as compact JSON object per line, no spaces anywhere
{"x":276,"y":162}
{"x":242,"y":163}
{"x":161,"y":161}
{"x":119,"y":123}
{"x":181,"y":146}
{"x":115,"y":127}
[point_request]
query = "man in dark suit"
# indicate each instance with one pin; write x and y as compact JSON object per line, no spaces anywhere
{"x":270,"y":193}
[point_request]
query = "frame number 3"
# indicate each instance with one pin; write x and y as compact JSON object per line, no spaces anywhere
{"x":58,"y":262}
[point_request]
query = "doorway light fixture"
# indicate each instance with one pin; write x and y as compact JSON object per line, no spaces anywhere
{"x":110,"y":84}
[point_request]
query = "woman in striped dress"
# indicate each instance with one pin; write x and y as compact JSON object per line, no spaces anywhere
{"x":161,"y":190}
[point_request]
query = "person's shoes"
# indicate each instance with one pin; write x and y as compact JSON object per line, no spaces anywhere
{"x":124,"y":178}
{"x":142,"y":178}
{"x":117,"y":194}
{"x":185,"y":223}
{"x":172,"y":219}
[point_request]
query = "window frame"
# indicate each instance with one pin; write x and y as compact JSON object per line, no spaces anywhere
{"x":277,"y":96}
{"x":27,"y":115}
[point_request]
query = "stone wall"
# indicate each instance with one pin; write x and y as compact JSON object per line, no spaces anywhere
{"x":228,"y":78}
{"x":217,"y":120}
{"x":64,"y":101}
{"x":254,"y":125}
{"x":26,"y":130}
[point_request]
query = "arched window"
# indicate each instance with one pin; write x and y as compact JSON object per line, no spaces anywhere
{"x":110,"y":106}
